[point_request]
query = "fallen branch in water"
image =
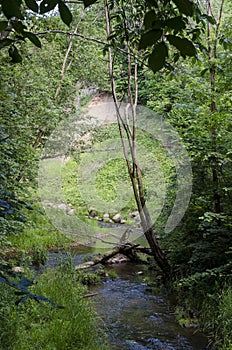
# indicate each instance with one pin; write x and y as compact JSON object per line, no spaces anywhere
{"x":127,"y":249}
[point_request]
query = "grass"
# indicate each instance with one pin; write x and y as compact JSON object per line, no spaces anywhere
{"x":37,"y":326}
{"x":224,"y":321}
{"x":100,"y":179}
{"x":39,"y":231}
{"x":210,"y":310}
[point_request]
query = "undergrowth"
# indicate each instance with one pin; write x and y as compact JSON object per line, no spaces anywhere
{"x":32,"y":325}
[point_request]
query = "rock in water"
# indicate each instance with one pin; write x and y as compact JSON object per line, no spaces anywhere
{"x":116,"y":218}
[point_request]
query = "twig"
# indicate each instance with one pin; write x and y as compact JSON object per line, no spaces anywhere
{"x":89,"y":295}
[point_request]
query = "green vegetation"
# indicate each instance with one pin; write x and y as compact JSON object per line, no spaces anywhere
{"x":47,"y":86}
{"x":111,"y":181}
{"x":33,"y":325}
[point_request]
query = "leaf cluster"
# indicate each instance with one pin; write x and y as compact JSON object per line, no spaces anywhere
{"x":14,"y":27}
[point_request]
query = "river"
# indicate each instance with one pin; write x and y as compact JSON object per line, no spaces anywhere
{"x":136,"y":318}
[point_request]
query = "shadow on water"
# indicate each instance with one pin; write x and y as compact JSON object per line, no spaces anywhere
{"x":135,"y":318}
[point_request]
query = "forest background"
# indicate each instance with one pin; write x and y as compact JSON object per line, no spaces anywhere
{"x":193,"y":94}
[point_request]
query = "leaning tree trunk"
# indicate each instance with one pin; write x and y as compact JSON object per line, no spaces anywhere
{"x":128,"y":135}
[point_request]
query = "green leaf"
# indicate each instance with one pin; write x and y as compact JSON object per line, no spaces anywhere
{"x":149,"y":18}
{"x":157,"y":58}
{"x":158,"y":24}
{"x":5,"y":42}
{"x":3,"y":25}
{"x":65,"y":13}
{"x":15,"y":55}
{"x":210,"y":19}
{"x":204,"y":71}
{"x":33,"y":38}
{"x":11,"y":8}
{"x":18,"y":26}
{"x":149,"y":38}
{"x":184,"y":45}
{"x":152,"y":3}
{"x":87,"y":3}
{"x":47,"y":5}
{"x":32,"y":5}
{"x":184,"y":6}
{"x":176,"y":23}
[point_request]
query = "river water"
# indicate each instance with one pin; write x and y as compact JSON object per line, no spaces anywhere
{"x":134,"y":317}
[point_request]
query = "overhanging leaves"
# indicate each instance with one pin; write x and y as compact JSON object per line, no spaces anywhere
{"x":11,"y":8}
{"x":3,"y":25}
{"x":21,"y":287}
{"x":87,"y":3}
{"x":65,"y":13}
{"x":157,"y":58}
{"x":184,"y":6}
{"x":33,"y":38}
{"x":184,"y":45}
{"x":176,"y":23}
{"x":210,"y":19}
{"x":149,"y":38}
{"x":18,"y":26}
{"x":47,"y":5}
{"x":5,"y":42}
{"x":15,"y":55}
{"x":149,"y":18}
{"x":32,"y":5}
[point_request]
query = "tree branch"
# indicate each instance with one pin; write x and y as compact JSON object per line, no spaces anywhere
{"x":65,"y":67}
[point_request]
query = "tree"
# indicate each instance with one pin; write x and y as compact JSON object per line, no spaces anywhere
{"x":150,"y":34}
{"x":159,"y":29}
{"x":202,"y":241}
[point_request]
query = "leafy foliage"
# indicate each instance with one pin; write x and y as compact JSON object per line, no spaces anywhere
{"x":166,"y":32}
{"x":16,"y":25}
{"x":200,"y":248}
{"x":21,"y":285}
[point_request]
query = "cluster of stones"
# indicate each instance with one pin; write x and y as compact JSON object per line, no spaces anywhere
{"x":67,"y":208}
{"x":115,"y":218}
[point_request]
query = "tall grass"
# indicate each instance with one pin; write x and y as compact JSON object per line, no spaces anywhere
{"x":37,"y":326}
{"x":224,"y":321}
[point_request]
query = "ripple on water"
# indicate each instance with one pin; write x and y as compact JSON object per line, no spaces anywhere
{"x":134,"y":318}
{"x":137,"y":320}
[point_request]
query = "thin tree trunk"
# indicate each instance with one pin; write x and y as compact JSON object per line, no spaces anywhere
{"x":212,"y":55}
{"x":131,"y":136}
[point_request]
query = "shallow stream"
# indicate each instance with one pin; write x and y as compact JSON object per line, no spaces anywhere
{"x":134,"y":316}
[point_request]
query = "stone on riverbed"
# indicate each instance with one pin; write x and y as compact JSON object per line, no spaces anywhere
{"x":18,"y":269}
{"x":118,"y":259}
{"x":116,"y":218}
{"x":71,"y":212}
{"x":134,"y":214}
{"x":92,"y":212}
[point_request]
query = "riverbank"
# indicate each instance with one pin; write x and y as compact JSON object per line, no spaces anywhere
{"x":32,"y":325}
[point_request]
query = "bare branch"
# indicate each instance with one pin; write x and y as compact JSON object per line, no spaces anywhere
{"x":64,"y":65}
{"x":57,"y":31}
{"x":94,"y":40}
